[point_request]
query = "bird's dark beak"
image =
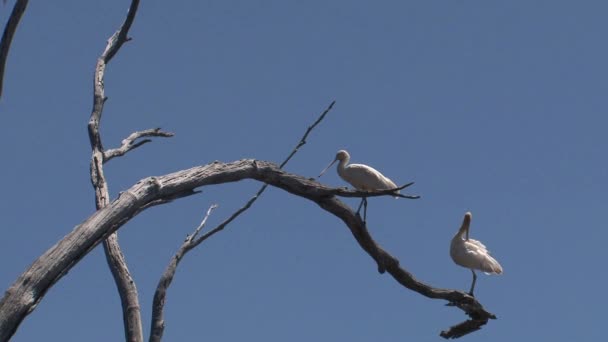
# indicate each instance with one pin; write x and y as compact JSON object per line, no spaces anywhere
{"x":328,"y":166}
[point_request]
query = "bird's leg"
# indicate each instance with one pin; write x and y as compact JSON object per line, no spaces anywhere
{"x":364,"y":205}
{"x":473,"y":284}
{"x":360,"y":205}
{"x":364,"y":209}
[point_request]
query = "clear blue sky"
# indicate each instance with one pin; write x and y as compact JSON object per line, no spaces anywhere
{"x":497,"y":107}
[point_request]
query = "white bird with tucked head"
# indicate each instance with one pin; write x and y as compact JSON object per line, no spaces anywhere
{"x":472,"y":254}
{"x":362,"y":177}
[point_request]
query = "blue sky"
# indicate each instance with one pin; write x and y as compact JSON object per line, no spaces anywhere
{"x":497,"y":107}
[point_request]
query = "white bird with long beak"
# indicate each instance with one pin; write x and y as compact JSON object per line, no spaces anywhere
{"x":472,"y":254}
{"x":362,"y":177}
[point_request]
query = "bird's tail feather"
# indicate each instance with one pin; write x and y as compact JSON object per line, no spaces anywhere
{"x":491,"y":266}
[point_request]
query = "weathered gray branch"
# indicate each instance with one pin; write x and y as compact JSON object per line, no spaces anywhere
{"x":125,"y":284}
{"x":23,"y":296}
{"x":7,"y":36}
{"x":157,"y":320}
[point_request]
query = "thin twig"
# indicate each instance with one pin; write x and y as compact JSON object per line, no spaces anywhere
{"x":7,"y":36}
{"x":158,"y":324}
{"x":308,"y":130}
{"x":200,"y":226}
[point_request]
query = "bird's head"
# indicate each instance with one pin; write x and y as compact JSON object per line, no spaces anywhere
{"x":341,"y":156}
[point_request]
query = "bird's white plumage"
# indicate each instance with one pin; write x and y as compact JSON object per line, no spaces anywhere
{"x":360,"y":176}
{"x":472,"y":253}
{"x":364,"y":177}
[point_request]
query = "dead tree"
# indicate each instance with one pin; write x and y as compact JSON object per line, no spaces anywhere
{"x":101,"y":227}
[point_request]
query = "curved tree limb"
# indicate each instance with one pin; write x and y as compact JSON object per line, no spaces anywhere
{"x":27,"y":291}
{"x":125,"y":284}
{"x":7,"y":36}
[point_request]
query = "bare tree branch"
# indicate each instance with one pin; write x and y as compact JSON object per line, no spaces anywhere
{"x":116,"y":261}
{"x":27,"y":291}
{"x":7,"y":36}
{"x":157,"y":320}
{"x":131,"y":143}
{"x":158,"y":304}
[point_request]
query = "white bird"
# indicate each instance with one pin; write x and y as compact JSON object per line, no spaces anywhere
{"x":362,"y":177}
{"x":472,"y":254}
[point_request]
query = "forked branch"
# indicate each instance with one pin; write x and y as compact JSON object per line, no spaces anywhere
{"x":132,"y":142}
